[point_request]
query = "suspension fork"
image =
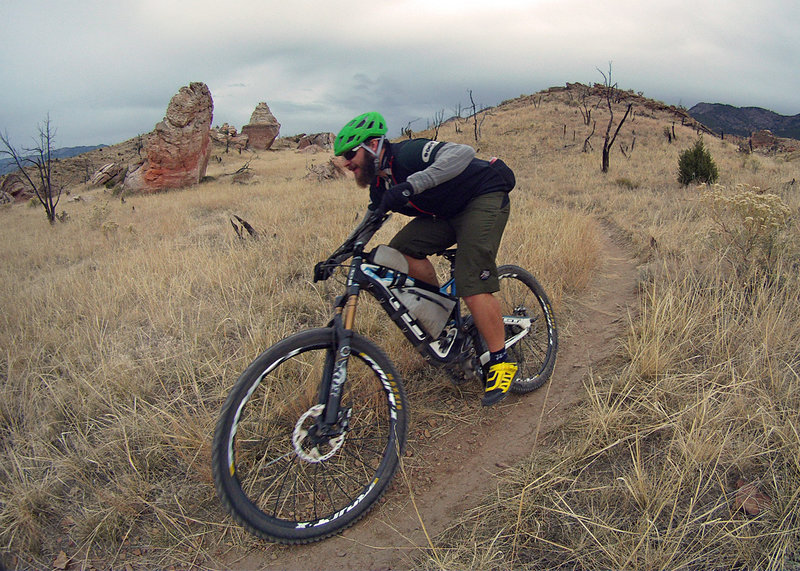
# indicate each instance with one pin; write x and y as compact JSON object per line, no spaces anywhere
{"x":335,"y":371}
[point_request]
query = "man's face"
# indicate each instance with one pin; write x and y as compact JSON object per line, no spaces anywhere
{"x":362,"y":165}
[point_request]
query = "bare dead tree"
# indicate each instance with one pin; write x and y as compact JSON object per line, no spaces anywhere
{"x":140,"y":145}
{"x":474,"y":115}
{"x":241,"y":227}
{"x":243,"y":168}
{"x":38,"y":160}
{"x":480,"y":124}
{"x":608,"y":140}
{"x":406,"y":131}
{"x":586,"y":113}
{"x":587,"y":145}
{"x":458,"y":110}
{"x":438,"y":121}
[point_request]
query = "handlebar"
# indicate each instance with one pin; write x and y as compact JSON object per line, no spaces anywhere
{"x":361,"y":234}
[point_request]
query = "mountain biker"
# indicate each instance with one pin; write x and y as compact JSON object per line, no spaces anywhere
{"x":454,"y":198}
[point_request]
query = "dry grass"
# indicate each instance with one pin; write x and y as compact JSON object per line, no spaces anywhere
{"x":705,"y":393}
{"x":123,"y":329}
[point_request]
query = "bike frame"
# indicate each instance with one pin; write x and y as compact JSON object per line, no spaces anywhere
{"x":376,"y":279}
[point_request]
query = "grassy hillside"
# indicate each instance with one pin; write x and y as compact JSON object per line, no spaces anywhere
{"x":124,"y":328}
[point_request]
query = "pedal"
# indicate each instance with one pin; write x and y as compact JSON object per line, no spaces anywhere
{"x":465,"y":369}
{"x":457,"y":374}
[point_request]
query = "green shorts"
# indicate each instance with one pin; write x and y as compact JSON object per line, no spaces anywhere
{"x":477,"y":230}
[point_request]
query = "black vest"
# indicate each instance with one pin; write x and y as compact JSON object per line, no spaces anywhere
{"x":448,"y":198}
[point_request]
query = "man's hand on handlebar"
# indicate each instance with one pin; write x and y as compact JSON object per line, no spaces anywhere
{"x":324,"y":270}
{"x":372,"y":221}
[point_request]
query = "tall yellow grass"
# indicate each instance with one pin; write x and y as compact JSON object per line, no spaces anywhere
{"x":704,"y":394}
{"x":124,"y":328}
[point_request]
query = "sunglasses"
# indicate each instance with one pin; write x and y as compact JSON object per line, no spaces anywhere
{"x":350,"y":155}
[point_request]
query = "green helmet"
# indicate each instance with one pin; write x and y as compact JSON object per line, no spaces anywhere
{"x":363,"y":127}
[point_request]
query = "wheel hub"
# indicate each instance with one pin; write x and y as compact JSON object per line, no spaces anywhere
{"x":309,"y":443}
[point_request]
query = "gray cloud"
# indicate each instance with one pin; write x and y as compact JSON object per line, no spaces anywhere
{"x":106,"y":71}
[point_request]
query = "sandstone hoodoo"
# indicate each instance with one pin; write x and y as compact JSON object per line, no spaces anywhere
{"x":177,"y":150}
{"x":263,"y":128}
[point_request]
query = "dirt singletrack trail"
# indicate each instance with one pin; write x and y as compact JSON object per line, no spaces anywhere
{"x":459,"y":468}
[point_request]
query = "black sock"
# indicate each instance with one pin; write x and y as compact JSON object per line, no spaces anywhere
{"x":498,"y":356}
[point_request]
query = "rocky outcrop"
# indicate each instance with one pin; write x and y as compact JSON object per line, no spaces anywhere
{"x":15,"y":188}
{"x":765,"y":142}
{"x":263,"y":128}
{"x":324,"y":140}
{"x":332,"y":170}
{"x":177,"y":150}
{"x":227,"y":135}
{"x":108,"y":174}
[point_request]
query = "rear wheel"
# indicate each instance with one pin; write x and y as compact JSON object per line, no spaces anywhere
{"x":530,"y":327}
{"x":278,"y":470}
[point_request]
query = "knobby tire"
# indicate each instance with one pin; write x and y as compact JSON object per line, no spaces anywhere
{"x":535,"y":354}
{"x":282,"y":495}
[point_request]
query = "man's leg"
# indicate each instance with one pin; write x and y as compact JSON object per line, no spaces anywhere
{"x":420,"y":238}
{"x":485,"y":310}
{"x":422,"y":269}
{"x":479,"y":231}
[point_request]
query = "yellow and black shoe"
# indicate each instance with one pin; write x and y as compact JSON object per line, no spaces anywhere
{"x":498,"y":382}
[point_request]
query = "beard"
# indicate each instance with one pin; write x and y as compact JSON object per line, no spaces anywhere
{"x":367,"y":173}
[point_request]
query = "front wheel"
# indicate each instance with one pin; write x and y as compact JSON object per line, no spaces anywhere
{"x":282,"y":476}
{"x":530,"y":326}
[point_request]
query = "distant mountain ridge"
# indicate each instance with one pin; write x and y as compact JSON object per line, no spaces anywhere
{"x":744,"y":121}
{"x":7,"y":165}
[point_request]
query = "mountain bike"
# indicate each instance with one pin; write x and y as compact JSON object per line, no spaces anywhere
{"x":313,"y":431}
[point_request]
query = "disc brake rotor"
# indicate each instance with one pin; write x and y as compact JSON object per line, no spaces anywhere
{"x":307,"y":447}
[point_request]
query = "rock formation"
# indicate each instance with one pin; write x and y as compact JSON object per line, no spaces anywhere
{"x":766,"y":142}
{"x":110,"y":173}
{"x":332,"y":170}
{"x":227,"y":135}
{"x":15,"y":188}
{"x":177,"y":150}
{"x":324,"y":140}
{"x":263,"y":128}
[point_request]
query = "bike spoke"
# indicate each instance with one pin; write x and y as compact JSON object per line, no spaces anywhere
{"x":296,"y":470}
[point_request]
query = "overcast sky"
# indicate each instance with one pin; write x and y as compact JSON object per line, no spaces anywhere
{"x":105,"y":71}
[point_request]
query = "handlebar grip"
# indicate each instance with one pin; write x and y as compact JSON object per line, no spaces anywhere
{"x":323,"y":270}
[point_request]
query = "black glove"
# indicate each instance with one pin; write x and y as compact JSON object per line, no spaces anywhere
{"x":323,"y":270}
{"x":395,"y":197}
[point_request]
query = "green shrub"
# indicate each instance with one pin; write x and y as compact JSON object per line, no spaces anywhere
{"x":696,"y":165}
